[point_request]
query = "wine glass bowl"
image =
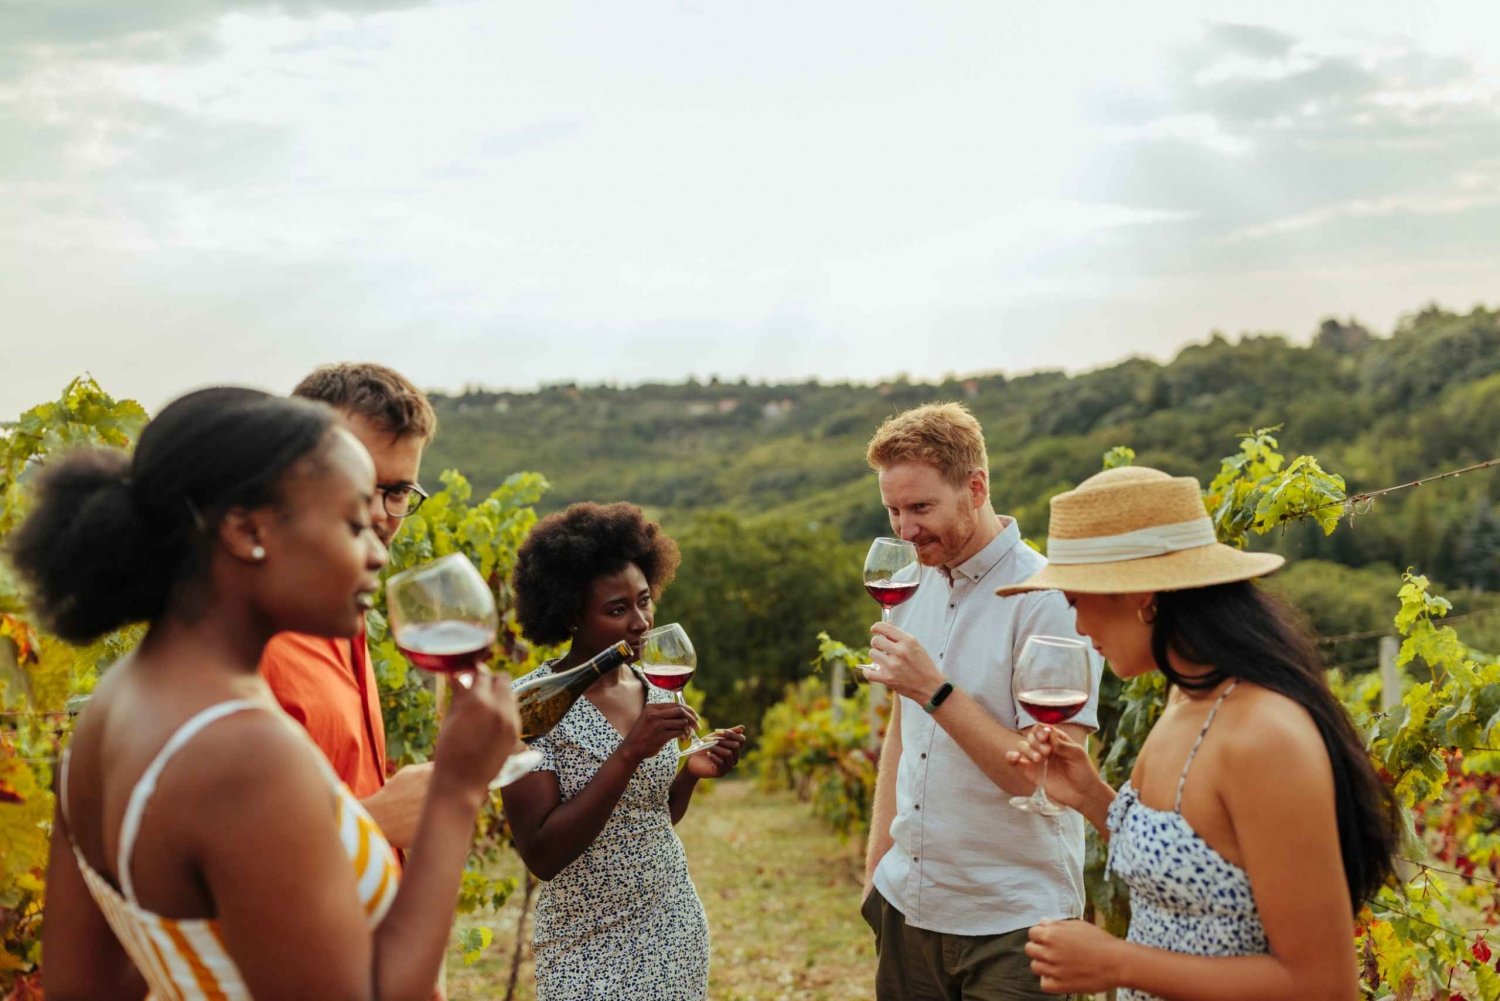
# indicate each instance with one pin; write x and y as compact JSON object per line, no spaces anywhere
{"x":668,"y":661}
{"x":442,"y":614}
{"x":443,"y":618}
{"x":1050,"y":681}
{"x":891,"y":573}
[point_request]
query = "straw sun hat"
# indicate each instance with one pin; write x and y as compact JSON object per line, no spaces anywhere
{"x":1136,"y":529}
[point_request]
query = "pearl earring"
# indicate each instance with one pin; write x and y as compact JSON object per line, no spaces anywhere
{"x":258,"y":553}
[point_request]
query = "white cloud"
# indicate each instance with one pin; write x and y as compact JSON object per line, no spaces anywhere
{"x":509,"y":194}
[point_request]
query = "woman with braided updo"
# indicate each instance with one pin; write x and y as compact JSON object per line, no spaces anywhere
{"x":617,"y":916}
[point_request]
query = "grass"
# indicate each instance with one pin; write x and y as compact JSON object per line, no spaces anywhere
{"x":782,"y":895}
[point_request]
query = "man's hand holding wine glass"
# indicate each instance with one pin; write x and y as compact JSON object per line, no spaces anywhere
{"x":901,"y":664}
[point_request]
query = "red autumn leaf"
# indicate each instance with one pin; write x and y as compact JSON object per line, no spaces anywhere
{"x":1481,"y":950}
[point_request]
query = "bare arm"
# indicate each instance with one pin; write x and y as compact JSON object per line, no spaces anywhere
{"x":551,"y":833}
{"x":883,"y":810}
{"x":397,"y":806}
{"x":84,"y":959}
{"x":1285,"y":823}
{"x":286,"y":898}
{"x":711,"y":763}
{"x":987,"y":742}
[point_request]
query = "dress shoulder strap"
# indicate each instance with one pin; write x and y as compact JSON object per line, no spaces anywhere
{"x":1182,"y":779}
{"x":135,"y":809}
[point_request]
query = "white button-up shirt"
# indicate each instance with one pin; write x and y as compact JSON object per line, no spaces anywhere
{"x":966,"y":862}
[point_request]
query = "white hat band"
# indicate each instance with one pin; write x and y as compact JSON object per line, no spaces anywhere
{"x":1157,"y":540}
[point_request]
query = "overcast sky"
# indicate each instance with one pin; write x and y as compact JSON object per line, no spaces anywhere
{"x":202,"y":191}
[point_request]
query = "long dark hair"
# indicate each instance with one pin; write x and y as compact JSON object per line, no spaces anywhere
{"x":1245,"y":633}
{"x":114,"y":536}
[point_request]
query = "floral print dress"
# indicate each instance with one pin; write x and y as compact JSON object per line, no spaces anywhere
{"x":623,"y":920}
{"x":1184,"y":896}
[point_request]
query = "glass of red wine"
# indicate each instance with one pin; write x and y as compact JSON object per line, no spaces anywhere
{"x":443,"y":619}
{"x":668,"y":662}
{"x":891,"y":576}
{"x":1051,"y":682}
{"x":891,"y":573}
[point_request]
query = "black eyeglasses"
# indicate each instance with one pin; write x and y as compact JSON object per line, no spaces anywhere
{"x":400,"y":499}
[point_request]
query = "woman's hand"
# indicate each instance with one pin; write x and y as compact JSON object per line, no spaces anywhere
{"x":1074,"y":957}
{"x":1072,"y":779}
{"x":658,"y":723}
{"x":715,"y":762}
{"x":479,"y":731}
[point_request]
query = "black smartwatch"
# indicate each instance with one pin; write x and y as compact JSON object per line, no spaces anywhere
{"x":944,"y":690}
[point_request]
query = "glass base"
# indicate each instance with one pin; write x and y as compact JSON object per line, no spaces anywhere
{"x":698,"y":744}
{"x":517,"y":766}
{"x":1031,"y":804}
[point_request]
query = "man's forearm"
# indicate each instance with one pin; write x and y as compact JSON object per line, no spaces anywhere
{"x":984,"y":739}
{"x":883,"y":810}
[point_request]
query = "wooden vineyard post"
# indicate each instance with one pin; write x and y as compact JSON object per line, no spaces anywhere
{"x":1390,"y":674}
{"x":836,"y":690}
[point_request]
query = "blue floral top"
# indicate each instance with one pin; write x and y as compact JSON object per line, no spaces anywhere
{"x":1184,"y":896}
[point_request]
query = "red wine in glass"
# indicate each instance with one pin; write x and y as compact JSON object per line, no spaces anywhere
{"x":442,"y":616}
{"x":891,"y":573}
{"x":671,"y":677}
{"x":1053,"y":705}
{"x":446,"y":646}
{"x":891,"y":593}
{"x":1051,"y":680}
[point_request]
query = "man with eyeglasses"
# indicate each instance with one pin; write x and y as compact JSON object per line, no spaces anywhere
{"x":328,"y":685}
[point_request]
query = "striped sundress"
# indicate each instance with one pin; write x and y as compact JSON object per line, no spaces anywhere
{"x":185,"y":960}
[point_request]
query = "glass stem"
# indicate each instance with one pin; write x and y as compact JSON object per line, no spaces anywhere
{"x":683,"y":743}
{"x":1039,"y":797}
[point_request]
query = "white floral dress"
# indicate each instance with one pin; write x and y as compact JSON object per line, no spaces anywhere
{"x":1184,"y":896}
{"x":623,"y":920}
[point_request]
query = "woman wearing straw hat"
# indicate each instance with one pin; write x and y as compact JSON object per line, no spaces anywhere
{"x":1253,"y":824}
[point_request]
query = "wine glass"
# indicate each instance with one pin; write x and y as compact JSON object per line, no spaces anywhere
{"x":442,"y":616}
{"x":891,"y":576}
{"x":891,"y":573}
{"x":1051,"y":681}
{"x":668,"y":662}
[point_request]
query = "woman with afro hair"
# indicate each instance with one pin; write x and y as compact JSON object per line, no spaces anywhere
{"x":617,"y":916}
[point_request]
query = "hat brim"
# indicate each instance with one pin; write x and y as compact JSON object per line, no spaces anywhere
{"x":1201,"y":566}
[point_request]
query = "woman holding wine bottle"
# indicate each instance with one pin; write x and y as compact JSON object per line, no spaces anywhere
{"x":1253,"y":825}
{"x":202,"y":845}
{"x":617,"y":915}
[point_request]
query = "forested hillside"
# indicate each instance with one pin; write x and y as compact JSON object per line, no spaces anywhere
{"x":1378,"y":409}
{"x":766,"y":485}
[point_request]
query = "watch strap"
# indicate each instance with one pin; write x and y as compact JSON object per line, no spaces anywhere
{"x":944,"y":690}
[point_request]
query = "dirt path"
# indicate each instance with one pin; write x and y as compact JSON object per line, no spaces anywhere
{"x":782,"y":895}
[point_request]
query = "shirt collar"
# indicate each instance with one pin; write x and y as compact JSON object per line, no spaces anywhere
{"x":975,"y":567}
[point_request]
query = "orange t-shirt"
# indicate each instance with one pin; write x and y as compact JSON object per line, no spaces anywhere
{"x":328,"y":686}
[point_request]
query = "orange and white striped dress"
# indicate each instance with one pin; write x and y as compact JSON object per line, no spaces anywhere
{"x":185,"y":960}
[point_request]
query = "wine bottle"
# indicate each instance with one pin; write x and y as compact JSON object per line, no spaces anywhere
{"x":544,"y":701}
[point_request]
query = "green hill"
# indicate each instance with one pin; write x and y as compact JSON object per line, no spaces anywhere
{"x":766,"y":487}
{"x":1376,"y":409}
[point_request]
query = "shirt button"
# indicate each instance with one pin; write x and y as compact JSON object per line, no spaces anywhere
{"x":924,"y":755}
{"x":916,"y":806}
{"x":915,"y":859}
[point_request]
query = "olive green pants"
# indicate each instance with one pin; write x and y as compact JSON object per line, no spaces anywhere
{"x":920,"y":965}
